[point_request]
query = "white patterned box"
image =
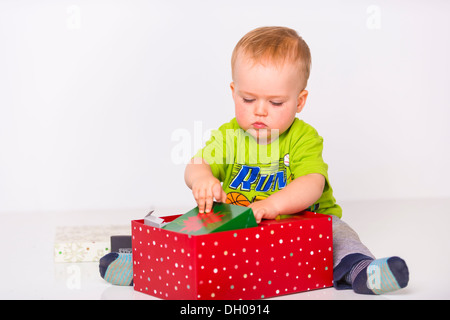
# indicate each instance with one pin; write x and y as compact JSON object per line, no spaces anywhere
{"x":85,"y":243}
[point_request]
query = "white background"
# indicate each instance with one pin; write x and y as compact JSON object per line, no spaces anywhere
{"x":93,"y":94}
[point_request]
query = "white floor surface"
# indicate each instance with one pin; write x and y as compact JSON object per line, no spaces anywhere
{"x":416,"y":230}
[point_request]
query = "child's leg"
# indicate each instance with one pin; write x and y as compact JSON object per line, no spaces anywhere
{"x":355,"y":266}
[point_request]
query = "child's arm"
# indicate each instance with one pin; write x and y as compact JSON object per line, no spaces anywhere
{"x":205,"y":187}
{"x":301,"y":193}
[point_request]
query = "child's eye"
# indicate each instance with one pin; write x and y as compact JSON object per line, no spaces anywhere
{"x":276,"y":104}
{"x":248,"y":100}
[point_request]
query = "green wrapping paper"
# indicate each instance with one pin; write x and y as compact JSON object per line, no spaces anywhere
{"x":222,"y":217}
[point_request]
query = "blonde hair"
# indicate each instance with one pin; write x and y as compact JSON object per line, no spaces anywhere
{"x":276,"y":45}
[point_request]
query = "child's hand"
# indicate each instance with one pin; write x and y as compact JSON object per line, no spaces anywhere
{"x":205,"y":190}
{"x":264,"y":209}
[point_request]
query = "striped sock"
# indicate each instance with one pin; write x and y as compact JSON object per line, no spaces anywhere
{"x":117,"y":268}
{"x":378,"y":276}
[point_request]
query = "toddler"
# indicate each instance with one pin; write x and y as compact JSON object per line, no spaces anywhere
{"x":270,"y":160}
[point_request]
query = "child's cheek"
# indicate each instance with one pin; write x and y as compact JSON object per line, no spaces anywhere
{"x":241,"y":115}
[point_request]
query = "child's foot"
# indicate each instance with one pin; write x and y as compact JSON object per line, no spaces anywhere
{"x":378,"y":276}
{"x":117,"y":268}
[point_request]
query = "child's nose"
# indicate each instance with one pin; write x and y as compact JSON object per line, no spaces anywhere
{"x":261,"y":109}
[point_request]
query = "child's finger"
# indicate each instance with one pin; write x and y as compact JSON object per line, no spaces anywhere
{"x":201,"y":201}
{"x":218,"y":193}
{"x":208,"y":202}
{"x":224,"y":196}
{"x":258,"y":213}
{"x":258,"y":217}
{"x":195,"y":194}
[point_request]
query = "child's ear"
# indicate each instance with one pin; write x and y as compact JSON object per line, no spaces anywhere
{"x":232,"y":89}
{"x":301,"y":100}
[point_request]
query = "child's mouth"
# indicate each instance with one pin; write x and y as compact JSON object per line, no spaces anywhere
{"x":259,"y":125}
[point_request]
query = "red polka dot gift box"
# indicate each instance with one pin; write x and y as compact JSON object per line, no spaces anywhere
{"x":276,"y":257}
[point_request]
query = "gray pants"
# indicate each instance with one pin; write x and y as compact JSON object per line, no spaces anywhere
{"x":347,"y":250}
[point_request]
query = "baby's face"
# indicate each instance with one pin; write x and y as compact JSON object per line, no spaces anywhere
{"x":266,"y":97}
